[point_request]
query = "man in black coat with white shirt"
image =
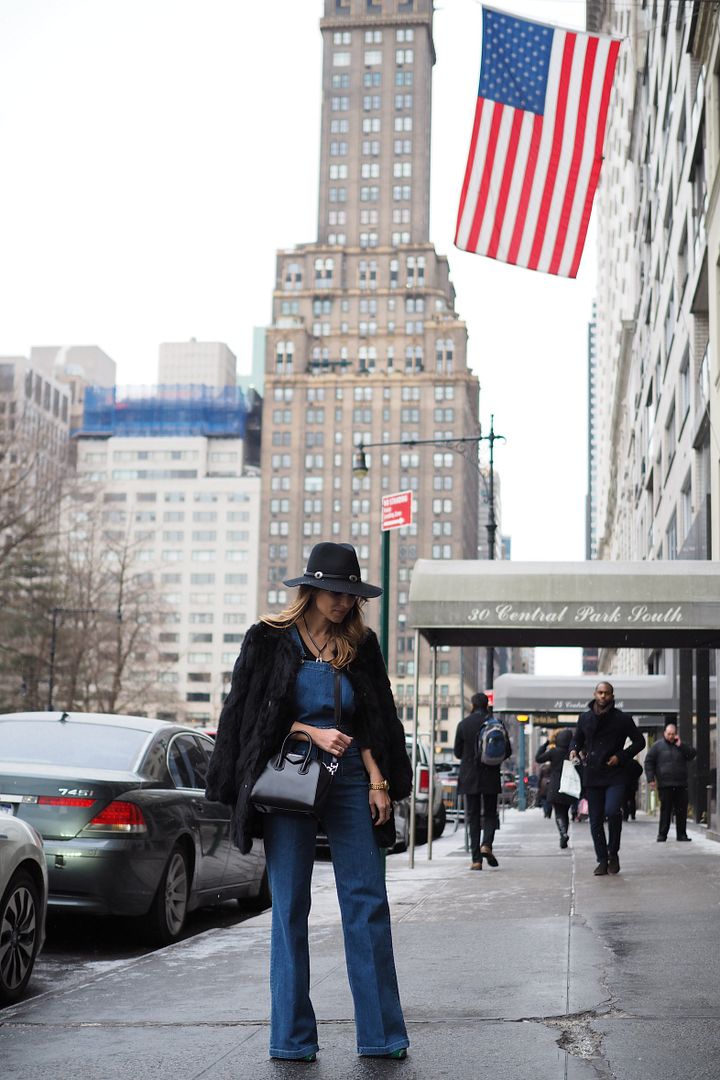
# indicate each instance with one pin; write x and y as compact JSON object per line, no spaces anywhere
{"x":599,"y":743}
{"x":666,"y":764}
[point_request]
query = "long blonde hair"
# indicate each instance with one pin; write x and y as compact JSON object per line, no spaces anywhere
{"x":346,"y":637}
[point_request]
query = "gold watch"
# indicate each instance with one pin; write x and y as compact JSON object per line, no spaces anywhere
{"x":384,"y":785}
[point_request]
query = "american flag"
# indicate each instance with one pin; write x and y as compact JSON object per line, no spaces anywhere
{"x":536,"y":147}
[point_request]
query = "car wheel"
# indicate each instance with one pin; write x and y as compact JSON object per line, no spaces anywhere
{"x":439,"y":822}
{"x":19,"y":935}
{"x":166,"y":918}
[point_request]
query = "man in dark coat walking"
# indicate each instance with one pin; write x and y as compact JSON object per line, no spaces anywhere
{"x":479,"y":783}
{"x":666,"y":764}
{"x":599,"y":742}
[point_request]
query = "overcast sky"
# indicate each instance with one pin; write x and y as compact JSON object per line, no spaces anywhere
{"x":156,"y":153}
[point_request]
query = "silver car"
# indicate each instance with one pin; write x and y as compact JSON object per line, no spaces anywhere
{"x":23,"y":905}
{"x":422,"y":785}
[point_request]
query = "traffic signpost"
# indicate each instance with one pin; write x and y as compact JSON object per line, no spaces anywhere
{"x":396,"y":513}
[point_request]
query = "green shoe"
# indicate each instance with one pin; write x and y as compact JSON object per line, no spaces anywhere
{"x":397,"y":1055}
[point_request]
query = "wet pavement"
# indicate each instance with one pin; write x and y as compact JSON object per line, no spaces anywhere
{"x":534,"y":969}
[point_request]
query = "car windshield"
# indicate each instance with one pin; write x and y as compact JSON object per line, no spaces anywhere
{"x":79,"y":746}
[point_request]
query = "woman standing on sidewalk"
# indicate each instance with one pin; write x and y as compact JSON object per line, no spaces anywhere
{"x":284,"y":680}
{"x":560,"y":802}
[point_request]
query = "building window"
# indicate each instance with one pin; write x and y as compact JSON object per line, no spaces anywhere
{"x":293,"y":276}
{"x":284,"y":351}
{"x":671,"y":548}
{"x":324,"y":273}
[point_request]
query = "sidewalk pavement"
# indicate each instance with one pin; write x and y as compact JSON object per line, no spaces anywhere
{"x":536,"y":969}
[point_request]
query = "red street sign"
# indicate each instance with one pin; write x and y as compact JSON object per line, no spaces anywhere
{"x":396,"y":510}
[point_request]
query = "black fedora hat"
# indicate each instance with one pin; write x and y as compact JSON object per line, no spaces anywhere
{"x":335,"y":567}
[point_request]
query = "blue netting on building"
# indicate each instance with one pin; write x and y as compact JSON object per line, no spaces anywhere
{"x":165,"y":410}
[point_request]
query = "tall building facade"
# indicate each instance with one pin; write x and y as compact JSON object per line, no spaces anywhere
{"x":651,"y":387}
{"x":365,"y":345}
{"x":78,"y":366}
{"x":168,"y":469}
{"x":705,"y":46}
{"x":35,"y":409}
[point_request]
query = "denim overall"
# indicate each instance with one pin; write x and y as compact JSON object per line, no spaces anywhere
{"x":360,"y":884}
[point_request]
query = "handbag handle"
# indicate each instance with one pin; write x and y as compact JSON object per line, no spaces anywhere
{"x":278,"y":763}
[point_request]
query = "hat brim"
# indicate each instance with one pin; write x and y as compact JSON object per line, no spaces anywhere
{"x":351,"y":588}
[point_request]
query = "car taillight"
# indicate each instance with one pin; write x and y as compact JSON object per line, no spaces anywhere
{"x":424,"y":784}
{"x":63,"y":800}
{"x":123,"y":817}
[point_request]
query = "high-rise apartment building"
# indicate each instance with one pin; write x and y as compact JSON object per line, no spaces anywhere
{"x":365,"y":345}
{"x":168,"y":469}
{"x":78,"y":366}
{"x":34,"y":419}
{"x":651,"y":424}
{"x":705,"y":49}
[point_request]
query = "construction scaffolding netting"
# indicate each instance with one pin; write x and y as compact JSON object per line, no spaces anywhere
{"x":164,"y":410}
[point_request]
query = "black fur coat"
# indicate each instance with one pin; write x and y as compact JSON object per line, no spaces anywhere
{"x":258,"y":714}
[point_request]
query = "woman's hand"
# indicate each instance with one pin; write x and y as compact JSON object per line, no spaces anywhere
{"x":329,"y":739}
{"x":380,"y":806}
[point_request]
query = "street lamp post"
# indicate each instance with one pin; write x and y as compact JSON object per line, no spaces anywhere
{"x":360,"y":468}
{"x":491,"y":439}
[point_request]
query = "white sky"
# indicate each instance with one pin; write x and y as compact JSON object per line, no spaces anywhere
{"x":156,"y":153}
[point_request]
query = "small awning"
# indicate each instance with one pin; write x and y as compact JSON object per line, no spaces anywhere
{"x":646,"y":695}
{"x":635,"y":605}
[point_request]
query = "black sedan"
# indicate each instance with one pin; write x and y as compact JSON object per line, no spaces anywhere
{"x":119,"y":802}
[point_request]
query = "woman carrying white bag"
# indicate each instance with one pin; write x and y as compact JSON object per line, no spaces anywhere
{"x":564,"y":784}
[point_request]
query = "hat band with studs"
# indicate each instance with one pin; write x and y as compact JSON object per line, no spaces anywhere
{"x":318,"y":574}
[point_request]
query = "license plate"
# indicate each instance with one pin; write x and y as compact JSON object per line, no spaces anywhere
{"x":7,"y":808}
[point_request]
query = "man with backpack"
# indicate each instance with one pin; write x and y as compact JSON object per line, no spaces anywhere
{"x":482,"y":744}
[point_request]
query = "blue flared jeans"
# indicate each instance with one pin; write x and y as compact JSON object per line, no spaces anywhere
{"x":360,"y":883}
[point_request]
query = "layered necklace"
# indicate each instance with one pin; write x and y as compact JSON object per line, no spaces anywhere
{"x":318,"y":650}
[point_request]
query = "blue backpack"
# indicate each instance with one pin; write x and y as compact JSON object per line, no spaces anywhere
{"x":491,"y":747}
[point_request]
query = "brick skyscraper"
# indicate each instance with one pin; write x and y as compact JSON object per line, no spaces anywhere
{"x":365,"y":344}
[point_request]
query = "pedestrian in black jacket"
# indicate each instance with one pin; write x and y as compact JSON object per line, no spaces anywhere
{"x":480,"y":784}
{"x":559,"y":801}
{"x":599,"y":743}
{"x":666,"y":766}
{"x":285,"y":680}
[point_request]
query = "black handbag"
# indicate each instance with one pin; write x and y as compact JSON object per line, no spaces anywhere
{"x":292,"y":782}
